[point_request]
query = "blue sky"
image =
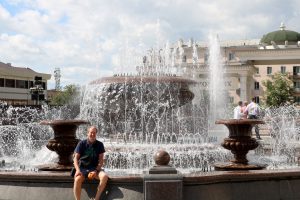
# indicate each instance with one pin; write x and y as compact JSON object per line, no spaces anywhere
{"x":86,"y":39}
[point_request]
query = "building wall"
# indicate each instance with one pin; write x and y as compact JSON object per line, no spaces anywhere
{"x":21,"y":79}
{"x":249,"y":64}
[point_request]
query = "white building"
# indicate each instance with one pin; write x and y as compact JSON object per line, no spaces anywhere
{"x":15,"y":84}
{"x":249,"y":62}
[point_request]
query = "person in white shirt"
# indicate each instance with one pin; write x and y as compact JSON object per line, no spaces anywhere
{"x":245,"y":104}
{"x":237,"y":112}
{"x":253,"y":112}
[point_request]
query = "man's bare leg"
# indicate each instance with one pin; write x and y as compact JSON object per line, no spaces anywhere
{"x":103,"y":180}
{"x":78,"y":180}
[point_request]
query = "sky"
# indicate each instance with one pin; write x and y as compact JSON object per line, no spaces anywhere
{"x":90,"y":39}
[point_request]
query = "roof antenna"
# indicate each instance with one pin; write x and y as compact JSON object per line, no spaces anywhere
{"x":57,"y":79}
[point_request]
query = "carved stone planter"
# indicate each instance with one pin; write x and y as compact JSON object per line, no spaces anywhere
{"x":63,"y":143}
{"x":239,"y":143}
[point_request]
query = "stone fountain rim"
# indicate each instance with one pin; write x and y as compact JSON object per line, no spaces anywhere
{"x":239,"y":121}
{"x":210,"y":177}
{"x":64,"y":122}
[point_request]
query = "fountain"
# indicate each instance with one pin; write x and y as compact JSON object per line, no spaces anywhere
{"x":239,"y":143}
{"x":137,"y":115}
{"x":63,"y":143}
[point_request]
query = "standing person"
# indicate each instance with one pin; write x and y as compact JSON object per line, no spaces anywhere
{"x":88,"y":162}
{"x":237,"y":112}
{"x":253,"y":111}
{"x":245,"y":114}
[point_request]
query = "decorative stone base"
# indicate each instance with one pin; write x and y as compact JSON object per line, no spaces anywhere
{"x":238,"y":166}
{"x":54,"y":167}
{"x":162,"y":170}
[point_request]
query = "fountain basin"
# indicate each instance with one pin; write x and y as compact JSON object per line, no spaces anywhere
{"x":143,"y":79}
{"x":236,"y":185}
{"x":143,"y":105}
{"x":116,"y":84}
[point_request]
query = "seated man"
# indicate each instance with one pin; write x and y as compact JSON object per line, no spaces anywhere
{"x":88,"y":161}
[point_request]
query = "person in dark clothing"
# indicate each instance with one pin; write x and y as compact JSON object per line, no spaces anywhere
{"x":88,"y":162}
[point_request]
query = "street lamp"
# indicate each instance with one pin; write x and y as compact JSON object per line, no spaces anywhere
{"x":37,"y":92}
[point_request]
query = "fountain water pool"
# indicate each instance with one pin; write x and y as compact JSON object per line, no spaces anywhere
{"x":132,"y":136}
{"x":129,"y":160}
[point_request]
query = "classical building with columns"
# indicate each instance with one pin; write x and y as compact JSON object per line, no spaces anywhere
{"x":248,"y":62}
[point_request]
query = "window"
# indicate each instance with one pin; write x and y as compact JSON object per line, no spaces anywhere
{"x":231,"y":56}
{"x":1,"y":82}
{"x":30,"y":84}
{"x":297,"y":85}
{"x":184,"y":58}
{"x":296,"y":70}
{"x":297,"y":100}
{"x":257,"y":70}
{"x":44,"y":85}
{"x":256,"y":85}
{"x":283,"y":69}
{"x":231,"y":99}
{"x":21,"y":84}
{"x":256,"y":99}
{"x":10,"y":83}
{"x":269,"y":70}
{"x":206,"y":56}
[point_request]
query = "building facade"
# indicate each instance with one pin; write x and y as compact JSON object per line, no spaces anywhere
{"x":247,"y":63}
{"x":18,"y":85}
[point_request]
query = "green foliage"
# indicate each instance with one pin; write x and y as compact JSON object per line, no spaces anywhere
{"x":67,"y":96}
{"x":279,"y":90}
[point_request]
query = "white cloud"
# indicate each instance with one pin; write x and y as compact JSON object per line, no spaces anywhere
{"x":4,"y":14}
{"x":88,"y":38}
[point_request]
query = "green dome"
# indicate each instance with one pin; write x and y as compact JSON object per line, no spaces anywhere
{"x":279,"y":37}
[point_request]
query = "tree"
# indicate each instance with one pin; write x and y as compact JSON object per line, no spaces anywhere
{"x":67,"y":96}
{"x":279,"y":90}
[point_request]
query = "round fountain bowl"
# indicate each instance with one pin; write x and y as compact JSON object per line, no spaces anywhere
{"x":123,"y":104}
{"x":120,"y":88}
{"x":143,"y":79}
{"x":239,"y":142}
{"x":63,"y":143}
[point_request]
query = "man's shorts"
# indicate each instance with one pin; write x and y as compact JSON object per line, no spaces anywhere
{"x":85,"y":172}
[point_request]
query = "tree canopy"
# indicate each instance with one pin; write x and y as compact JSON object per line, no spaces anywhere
{"x":279,"y":90}
{"x":66,"y":96}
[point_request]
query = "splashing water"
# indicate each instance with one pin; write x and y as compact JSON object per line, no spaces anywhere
{"x":217,"y":102}
{"x":140,"y":113}
{"x":282,"y":149}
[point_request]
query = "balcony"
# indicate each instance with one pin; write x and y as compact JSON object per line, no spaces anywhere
{"x":296,"y":90}
{"x":295,"y":76}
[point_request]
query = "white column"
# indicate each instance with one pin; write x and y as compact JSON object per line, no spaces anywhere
{"x":243,"y":84}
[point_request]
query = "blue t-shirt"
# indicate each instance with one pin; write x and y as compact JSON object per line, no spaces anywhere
{"x":89,"y":153}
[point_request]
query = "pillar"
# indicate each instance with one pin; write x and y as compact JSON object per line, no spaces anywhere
{"x":163,"y":182}
{"x":243,"y":85}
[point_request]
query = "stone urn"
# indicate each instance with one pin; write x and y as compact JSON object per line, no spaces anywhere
{"x":239,"y":143}
{"x":63,"y":143}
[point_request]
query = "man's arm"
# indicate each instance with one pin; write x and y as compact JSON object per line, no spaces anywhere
{"x":101,"y":161}
{"x":76,"y":162}
{"x":246,"y":110}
